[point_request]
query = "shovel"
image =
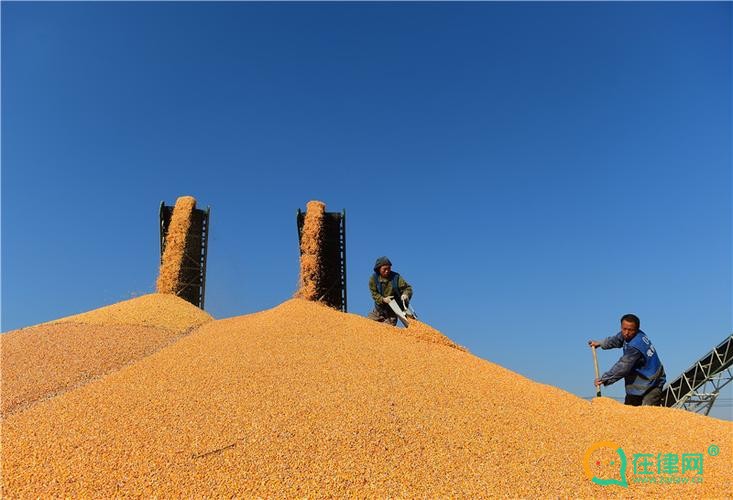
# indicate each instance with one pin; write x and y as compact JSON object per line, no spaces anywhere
{"x":595,"y":362}
{"x":409,"y":311}
{"x":399,"y":312}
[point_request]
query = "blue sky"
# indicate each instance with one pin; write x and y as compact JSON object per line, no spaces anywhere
{"x":534,"y":170}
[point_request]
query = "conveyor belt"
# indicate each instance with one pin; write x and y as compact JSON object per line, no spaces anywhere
{"x":332,"y":283}
{"x":193,"y":271}
{"x":707,"y":368}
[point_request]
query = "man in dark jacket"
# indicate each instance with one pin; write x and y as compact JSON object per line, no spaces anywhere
{"x":386,"y":285}
{"x":639,"y":366}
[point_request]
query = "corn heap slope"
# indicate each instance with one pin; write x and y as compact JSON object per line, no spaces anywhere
{"x":303,"y":400}
{"x":42,"y":361}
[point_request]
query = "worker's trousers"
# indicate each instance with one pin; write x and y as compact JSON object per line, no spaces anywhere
{"x":383,"y":314}
{"x":653,"y":397}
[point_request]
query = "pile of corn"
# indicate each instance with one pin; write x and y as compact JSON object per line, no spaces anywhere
{"x":427,"y":333}
{"x":175,"y":246}
{"x":303,"y":400}
{"x":45,"y":360}
{"x":310,"y":250}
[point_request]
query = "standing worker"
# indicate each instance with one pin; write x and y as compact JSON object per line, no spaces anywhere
{"x":386,"y":285}
{"x":639,"y":366}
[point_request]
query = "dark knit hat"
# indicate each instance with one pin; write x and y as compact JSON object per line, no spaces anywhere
{"x":382,"y":261}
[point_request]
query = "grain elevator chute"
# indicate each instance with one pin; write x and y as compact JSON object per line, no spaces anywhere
{"x":331,"y":282}
{"x":191,"y":279}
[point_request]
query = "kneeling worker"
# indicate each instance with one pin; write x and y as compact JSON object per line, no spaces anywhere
{"x":639,"y":366}
{"x":386,"y":285}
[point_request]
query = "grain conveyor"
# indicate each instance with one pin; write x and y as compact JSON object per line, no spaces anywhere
{"x":193,"y":269}
{"x":699,"y":386}
{"x":332,"y":282}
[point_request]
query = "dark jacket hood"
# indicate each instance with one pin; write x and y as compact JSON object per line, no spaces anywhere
{"x":381,"y":261}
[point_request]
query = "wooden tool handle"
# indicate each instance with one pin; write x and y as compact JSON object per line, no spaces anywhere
{"x":595,"y":362}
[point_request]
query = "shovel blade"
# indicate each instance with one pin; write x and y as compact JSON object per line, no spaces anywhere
{"x":399,"y":312}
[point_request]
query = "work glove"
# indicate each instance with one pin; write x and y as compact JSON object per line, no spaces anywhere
{"x":387,"y":300}
{"x":405,"y":298}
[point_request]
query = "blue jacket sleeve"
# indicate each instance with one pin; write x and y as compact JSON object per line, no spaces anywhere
{"x":623,"y":366}
{"x":613,"y":341}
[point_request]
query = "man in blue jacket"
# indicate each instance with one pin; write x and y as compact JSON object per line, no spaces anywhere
{"x":639,"y":366}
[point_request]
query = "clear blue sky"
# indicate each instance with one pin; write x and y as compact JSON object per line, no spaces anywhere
{"x":533,"y":170}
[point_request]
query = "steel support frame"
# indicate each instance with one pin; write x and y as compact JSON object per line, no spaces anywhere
{"x":701,"y":400}
{"x":699,"y":386}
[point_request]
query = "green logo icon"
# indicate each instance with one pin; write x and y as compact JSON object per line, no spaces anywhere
{"x":622,"y":459}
